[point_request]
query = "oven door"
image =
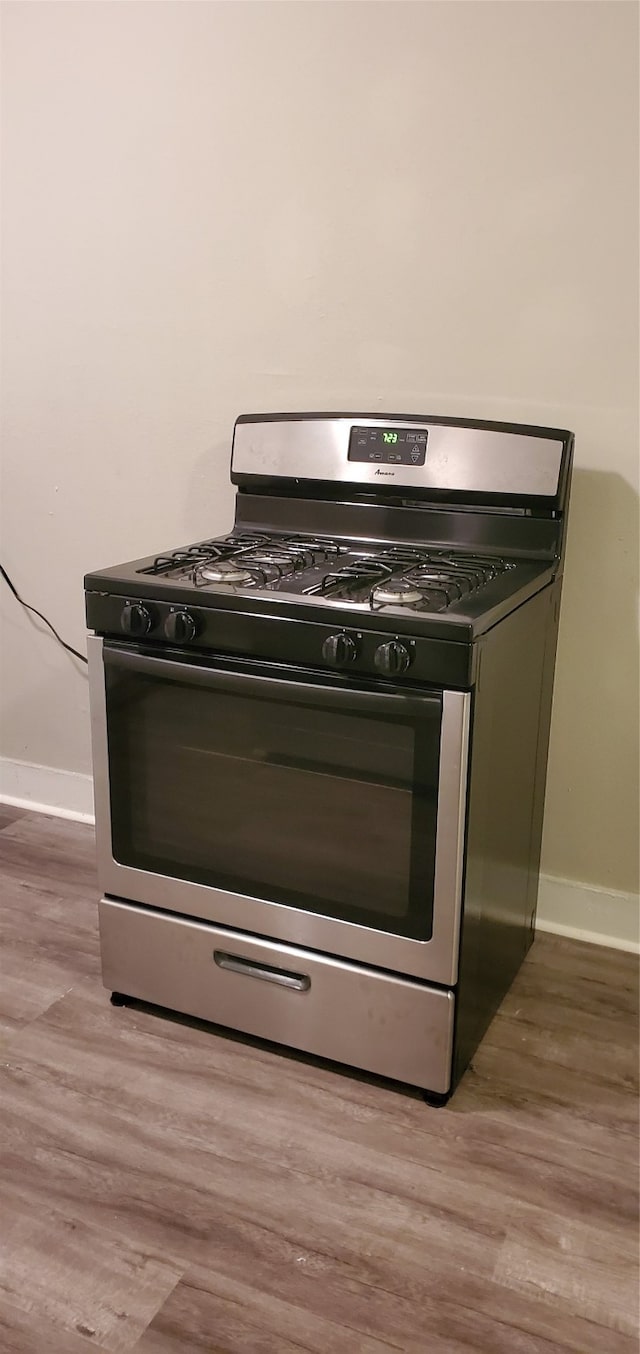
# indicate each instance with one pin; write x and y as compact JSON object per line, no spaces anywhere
{"x":304,"y":807}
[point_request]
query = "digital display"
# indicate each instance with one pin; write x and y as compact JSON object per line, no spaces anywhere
{"x":391,"y":446}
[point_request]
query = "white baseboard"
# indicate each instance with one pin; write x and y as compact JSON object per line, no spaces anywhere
{"x":45,"y":789}
{"x":567,"y":908}
{"x":584,"y":912}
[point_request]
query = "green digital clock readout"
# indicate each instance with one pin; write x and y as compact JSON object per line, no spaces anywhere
{"x":393,"y":446}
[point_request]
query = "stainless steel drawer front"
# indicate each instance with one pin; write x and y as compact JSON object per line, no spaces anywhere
{"x":372,"y":1020}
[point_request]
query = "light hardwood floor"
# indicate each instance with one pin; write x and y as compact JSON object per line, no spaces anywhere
{"x":170,"y":1189}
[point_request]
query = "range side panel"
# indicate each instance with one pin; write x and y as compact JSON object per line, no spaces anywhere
{"x":510,"y":739}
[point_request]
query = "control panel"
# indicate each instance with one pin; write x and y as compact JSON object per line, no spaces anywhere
{"x":225,"y":631}
{"x":425,"y":454}
{"x":391,"y":446}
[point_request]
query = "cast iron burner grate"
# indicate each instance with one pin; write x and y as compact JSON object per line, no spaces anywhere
{"x":396,"y":575}
{"x":244,"y":559}
{"x":416,"y":579}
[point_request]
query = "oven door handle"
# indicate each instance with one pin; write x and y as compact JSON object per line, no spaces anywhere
{"x":271,"y":688}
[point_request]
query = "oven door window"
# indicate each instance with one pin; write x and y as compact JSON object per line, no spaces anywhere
{"x":327,"y":809}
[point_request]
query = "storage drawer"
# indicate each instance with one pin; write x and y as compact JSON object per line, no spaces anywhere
{"x":360,"y":1016}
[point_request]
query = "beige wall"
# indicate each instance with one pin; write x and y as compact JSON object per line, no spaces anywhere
{"x":212,"y":208}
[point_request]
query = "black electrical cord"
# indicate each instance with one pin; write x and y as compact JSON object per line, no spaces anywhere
{"x":68,"y":647}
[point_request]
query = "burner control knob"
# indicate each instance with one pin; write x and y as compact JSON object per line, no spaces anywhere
{"x":135,"y":619}
{"x":392,"y":658}
{"x":180,"y":627}
{"x":339,"y":650}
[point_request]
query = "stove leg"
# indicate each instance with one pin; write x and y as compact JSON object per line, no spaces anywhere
{"x":435,"y":1100}
{"x":118,"y":999}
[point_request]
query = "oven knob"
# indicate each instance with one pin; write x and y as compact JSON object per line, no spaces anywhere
{"x":339,"y":650}
{"x":135,"y":619}
{"x":392,"y":658}
{"x":180,"y":627}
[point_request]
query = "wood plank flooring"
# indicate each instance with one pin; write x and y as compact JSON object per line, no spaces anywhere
{"x":167,"y":1188}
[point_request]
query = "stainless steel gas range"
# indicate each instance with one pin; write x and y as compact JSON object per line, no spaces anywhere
{"x":320,"y":742}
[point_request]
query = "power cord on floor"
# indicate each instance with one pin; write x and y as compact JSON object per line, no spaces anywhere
{"x":68,"y":647}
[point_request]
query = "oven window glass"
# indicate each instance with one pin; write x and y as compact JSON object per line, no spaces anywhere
{"x":329,"y":811}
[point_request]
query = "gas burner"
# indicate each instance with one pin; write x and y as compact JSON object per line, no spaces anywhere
{"x":453,"y":576}
{"x":280,"y":557}
{"x":269,"y":557}
{"x":451,"y":584}
{"x":405,"y":576}
{"x":219,"y":572}
{"x":429,"y":576}
{"x":351,"y":579}
{"x":398,"y":592}
{"x":238,"y":543}
{"x":313,"y":545}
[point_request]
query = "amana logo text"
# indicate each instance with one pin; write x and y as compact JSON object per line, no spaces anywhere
{"x":384,"y":472}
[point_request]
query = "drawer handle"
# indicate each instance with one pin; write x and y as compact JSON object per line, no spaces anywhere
{"x":298,"y":982}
